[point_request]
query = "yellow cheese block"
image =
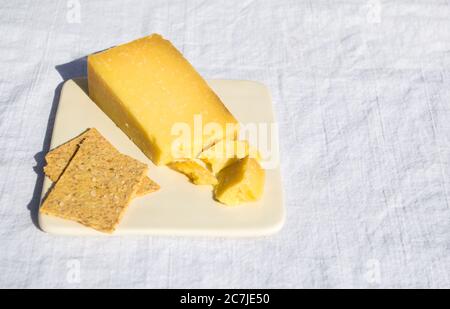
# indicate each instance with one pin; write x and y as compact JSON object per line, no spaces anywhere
{"x":195,"y":171}
{"x":240,"y":182}
{"x":152,"y":93}
{"x":227,"y":152}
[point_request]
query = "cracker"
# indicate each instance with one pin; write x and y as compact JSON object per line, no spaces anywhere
{"x":96,"y":187}
{"x":58,"y":159}
{"x":147,"y":186}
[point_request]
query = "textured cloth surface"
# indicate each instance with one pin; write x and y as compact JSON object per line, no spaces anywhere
{"x":361,"y":92}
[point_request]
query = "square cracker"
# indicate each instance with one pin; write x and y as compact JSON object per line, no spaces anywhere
{"x":96,"y":187}
{"x":147,"y":186}
{"x":58,"y":159}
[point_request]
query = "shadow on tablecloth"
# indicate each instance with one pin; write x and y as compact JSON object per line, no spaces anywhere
{"x":70,"y":70}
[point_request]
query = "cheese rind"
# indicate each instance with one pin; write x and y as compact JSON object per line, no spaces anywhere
{"x":147,"y":87}
{"x":240,"y":182}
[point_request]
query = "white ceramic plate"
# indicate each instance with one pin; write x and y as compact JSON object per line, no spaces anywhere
{"x":179,"y":208}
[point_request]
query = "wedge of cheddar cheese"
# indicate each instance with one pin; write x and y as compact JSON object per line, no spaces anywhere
{"x":148,"y":88}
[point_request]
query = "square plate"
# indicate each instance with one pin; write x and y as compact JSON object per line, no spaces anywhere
{"x":179,"y":207}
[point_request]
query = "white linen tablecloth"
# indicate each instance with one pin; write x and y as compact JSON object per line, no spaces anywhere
{"x":362,"y":97}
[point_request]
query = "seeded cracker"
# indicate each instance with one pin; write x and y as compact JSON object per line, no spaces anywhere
{"x":58,"y":159}
{"x":147,"y":186}
{"x":96,"y":187}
